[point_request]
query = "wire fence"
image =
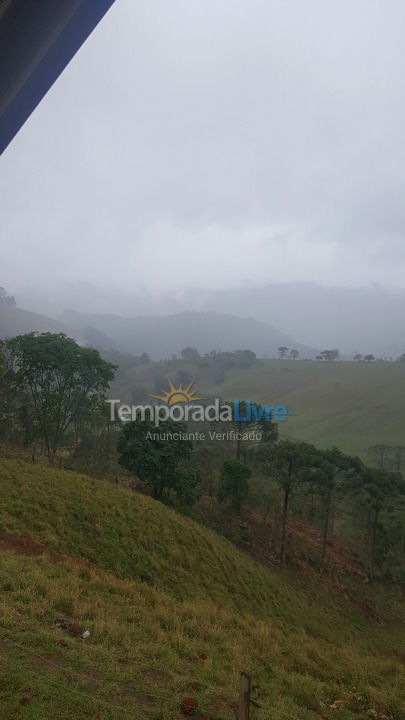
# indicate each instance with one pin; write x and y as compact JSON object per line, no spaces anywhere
{"x":273,"y":711}
{"x":94,"y":696}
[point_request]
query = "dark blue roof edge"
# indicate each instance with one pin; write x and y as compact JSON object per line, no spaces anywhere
{"x":81,"y":24}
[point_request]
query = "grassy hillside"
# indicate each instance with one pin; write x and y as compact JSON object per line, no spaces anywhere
{"x":349,"y":404}
{"x":174,"y":611}
{"x":130,"y":535}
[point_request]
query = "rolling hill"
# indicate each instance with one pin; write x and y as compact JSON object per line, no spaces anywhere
{"x":174,"y":612}
{"x":349,"y":404}
{"x":15,"y":321}
{"x":163,"y":336}
{"x":159,"y":336}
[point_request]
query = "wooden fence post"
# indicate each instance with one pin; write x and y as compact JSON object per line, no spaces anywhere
{"x":244,"y":697}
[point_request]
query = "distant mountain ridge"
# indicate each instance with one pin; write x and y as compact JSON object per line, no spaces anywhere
{"x":163,"y":336}
{"x":159,"y":336}
{"x":369,"y":319}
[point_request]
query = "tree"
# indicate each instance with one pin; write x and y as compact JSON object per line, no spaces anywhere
{"x":332,"y":470}
{"x":369,"y":358}
{"x":7,"y":399}
{"x":294,"y":354}
{"x":288,"y":462}
{"x":282,"y":351}
{"x":190,"y":354}
{"x":6,"y":299}
{"x":267,"y":429}
{"x":399,"y":451}
{"x":17,"y":420}
{"x":244,"y":358}
{"x":188,"y":488}
{"x":357,"y":357}
{"x":380,"y":488}
{"x":379,"y":454}
{"x":153,"y":456}
{"x":234,"y":483}
{"x":329,"y":355}
{"x":144,"y":359}
{"x":61,"y":379}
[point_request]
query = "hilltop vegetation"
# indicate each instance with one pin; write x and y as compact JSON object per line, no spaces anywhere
{"x":175,"y":611}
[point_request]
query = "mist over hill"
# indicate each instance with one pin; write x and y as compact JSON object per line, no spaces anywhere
{"x":15,"y":321}
{"x":163,"y":336}
{"x":354,"y":319}
{"x":159,"y":336}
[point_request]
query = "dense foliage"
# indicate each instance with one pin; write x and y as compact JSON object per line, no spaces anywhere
{"x":57,"y":381}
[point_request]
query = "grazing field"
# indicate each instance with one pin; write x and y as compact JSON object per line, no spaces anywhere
{"x":349,"y":404}
{"x":174,"y":611}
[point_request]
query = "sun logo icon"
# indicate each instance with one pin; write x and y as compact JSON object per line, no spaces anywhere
{"x":176,"y":395}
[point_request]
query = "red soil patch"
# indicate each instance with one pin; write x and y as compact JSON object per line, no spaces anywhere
{"x":188,"y":706}
{"x":74,"y":630}
{"x":261,"y":537}
{"x":341,"y":556}
{"x":305,"y":540}
{"x":21,"y":544}
{"x":26,"y":545}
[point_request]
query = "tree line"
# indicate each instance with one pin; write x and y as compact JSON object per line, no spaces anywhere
{"x":52,"y":399}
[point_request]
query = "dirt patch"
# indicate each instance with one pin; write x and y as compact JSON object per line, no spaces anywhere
{"x":21,"y":544}
{"x":27,"y":546}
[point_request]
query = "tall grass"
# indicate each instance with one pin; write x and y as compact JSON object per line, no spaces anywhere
{"x":175,"y":611}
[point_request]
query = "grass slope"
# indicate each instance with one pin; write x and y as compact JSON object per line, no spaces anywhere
{"x":351,"y":405}
{"x":175,"y":611}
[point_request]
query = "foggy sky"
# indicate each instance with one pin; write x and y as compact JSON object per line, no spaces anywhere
{"x":215,"y":143}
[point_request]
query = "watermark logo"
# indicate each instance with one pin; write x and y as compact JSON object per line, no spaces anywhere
{"x":183,"y":404}
{"x":176,"y":395}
